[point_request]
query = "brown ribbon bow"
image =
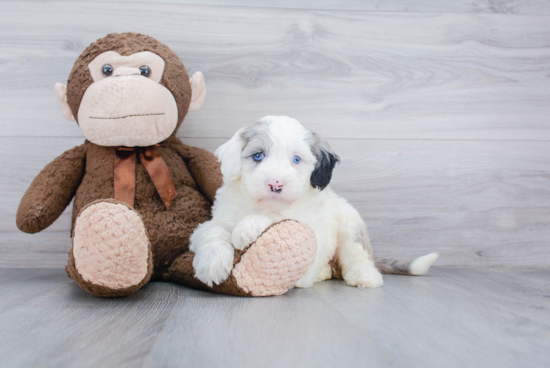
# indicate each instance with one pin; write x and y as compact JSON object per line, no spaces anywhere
{"x":125,"y":174}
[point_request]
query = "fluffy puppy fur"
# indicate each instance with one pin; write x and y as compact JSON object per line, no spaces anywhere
{"x":274,"y":170}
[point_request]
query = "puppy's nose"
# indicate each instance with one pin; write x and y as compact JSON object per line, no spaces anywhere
{"x":275,"y":185}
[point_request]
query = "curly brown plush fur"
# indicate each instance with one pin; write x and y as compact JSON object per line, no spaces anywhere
{"x":86,"y":173}
{"x":175,"y":76}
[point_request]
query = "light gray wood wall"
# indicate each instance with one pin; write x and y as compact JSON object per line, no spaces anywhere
{"x":440,"y":110}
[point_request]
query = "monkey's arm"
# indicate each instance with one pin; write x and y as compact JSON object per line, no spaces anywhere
{"x":51,"y":191}
{"x":204,"y":167}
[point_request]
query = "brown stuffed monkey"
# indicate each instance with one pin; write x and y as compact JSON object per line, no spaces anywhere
{"x":139,"y":191}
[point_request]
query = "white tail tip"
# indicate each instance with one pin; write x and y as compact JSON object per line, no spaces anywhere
{"x":421,"y":265}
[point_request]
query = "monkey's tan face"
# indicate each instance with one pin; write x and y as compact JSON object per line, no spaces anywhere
{"x":126,"y":105}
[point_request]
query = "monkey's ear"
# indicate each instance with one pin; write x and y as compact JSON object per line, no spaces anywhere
{"x":198,"y":89}
{"x":61,"y":91}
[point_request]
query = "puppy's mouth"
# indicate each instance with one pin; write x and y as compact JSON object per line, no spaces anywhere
{"x":275,"y":197}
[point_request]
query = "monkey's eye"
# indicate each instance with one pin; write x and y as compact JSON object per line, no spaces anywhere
{"x":258,"y":156}
{"x":145,"y":71}
{"x":107,"y":70}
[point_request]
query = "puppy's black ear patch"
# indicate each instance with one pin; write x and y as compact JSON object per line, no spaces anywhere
{"x":321,"y":175}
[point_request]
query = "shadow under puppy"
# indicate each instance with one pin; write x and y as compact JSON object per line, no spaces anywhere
{"x":276,"y":170}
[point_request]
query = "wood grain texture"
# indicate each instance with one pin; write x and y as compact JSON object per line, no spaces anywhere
{"x":68,"y":327}
{"x":351,"y":74}
{"x":535,"y":7}
{"x":441,"y":119}
{"x":450,"y":318}
{"x":477,"y":203}
{"x":298,"y":329}
{"x":20,"y":286}
{"x":455,"y":317}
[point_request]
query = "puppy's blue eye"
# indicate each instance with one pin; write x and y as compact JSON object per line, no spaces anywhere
{"x":296,"y":159}
{"x":258,"y":156}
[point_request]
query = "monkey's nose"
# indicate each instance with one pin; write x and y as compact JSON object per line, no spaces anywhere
{"x":124,"y":71}
{"x":275,"y":185}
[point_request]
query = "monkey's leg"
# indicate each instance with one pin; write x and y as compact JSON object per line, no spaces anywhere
{"x":271,"y":265}
{"x":111,"y":253}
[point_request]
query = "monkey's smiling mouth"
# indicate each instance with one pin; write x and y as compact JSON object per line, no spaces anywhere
{"x":126,"y":116}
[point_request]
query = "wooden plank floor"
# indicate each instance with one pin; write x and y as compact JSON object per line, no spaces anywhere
{"x":453,"y":317}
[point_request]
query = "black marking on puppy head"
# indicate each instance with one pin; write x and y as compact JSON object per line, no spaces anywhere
{"x":326,"y":161}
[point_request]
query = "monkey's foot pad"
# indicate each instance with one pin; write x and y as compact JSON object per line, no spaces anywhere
{"x":110,"y":245}
{"x":277,"y":259}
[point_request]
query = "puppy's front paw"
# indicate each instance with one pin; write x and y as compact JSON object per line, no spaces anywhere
{"x":213,"y":261}
{"x":365,"y":276}
{"x":248,"y":230}
{"x":303,"y":283}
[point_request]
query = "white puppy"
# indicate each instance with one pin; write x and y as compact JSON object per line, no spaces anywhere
{"x":274,"y":170}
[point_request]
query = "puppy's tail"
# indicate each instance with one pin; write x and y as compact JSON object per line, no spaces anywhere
{"x":417,"y":267}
